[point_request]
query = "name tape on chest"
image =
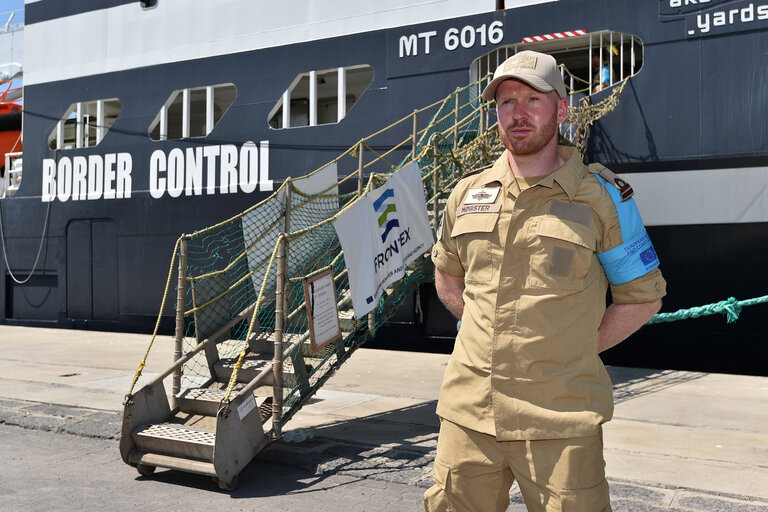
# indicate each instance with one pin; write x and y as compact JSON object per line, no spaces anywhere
{"x":477,"y":208}
{"x":482,"y":195}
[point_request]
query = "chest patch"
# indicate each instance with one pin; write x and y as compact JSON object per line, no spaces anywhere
{"x":575,"y":212}
{"x":482,"y":195}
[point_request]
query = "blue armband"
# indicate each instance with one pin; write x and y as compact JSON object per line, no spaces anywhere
{"x":636,"y":256}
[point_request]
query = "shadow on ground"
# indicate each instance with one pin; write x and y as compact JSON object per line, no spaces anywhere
{"x":629,"y":383}
{"x":392,"y":447}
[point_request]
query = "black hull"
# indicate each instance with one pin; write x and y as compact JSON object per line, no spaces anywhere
{"x":695,"y":277}
{"x":697,"y":103}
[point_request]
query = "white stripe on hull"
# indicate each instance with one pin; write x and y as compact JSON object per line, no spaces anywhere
{"x":127,"y":37}
{"x":714,"y":196}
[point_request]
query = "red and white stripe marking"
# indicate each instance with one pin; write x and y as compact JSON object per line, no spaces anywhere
{"x":556,"y":35}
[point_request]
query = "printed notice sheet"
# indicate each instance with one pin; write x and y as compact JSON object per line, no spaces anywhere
{"x":322,"y":311}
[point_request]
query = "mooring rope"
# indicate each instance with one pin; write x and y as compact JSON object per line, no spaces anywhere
{"x":730,"y":307}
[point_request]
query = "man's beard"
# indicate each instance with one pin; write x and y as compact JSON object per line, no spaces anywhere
{"x":534,"y":142}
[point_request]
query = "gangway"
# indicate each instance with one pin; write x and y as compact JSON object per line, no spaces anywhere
{"x":244,"y":360}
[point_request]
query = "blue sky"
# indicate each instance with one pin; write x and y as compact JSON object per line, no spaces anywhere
{"x":6,"y":6}
{"x":12,"y":5}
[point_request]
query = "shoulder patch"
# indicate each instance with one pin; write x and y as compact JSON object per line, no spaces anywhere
{"x":624,"y":188}
{"x":475,"y":171}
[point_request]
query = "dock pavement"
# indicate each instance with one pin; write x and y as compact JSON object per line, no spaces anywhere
{"x":679,"y":441}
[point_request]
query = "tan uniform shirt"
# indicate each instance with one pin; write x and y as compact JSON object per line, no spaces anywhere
{"x":525,"y":363}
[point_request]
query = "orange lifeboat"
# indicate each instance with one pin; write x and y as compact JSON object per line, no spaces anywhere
{"x":10,"y":129}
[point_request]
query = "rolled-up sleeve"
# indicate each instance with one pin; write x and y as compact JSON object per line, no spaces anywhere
{"x":647,"y":288}
{"x":444,"y":253}
{"x":446,"y":261}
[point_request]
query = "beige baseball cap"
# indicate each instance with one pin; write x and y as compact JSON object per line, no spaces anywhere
{"x":538,"y":70}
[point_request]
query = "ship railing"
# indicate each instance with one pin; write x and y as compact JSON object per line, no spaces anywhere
{"x":621,"y":56}
{"x":11,"y":180}
{"x":6,"y":21}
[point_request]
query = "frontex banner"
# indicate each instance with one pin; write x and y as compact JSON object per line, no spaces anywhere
{"x":381,"y":234}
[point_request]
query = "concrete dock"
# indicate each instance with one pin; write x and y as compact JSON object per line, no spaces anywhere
{"x":682,"y":441}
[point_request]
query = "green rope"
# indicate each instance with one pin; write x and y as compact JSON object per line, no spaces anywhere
{"x":731,"y":308}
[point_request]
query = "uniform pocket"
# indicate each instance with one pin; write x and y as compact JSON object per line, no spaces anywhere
{"x":562,"y":254}
{"x":592,"y":499}
{"x":474,"y":233}
{"x":442,"y":475}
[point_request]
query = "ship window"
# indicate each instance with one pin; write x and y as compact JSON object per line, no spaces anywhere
{"x":192,"y":112}
{"x":589,"y":62}
{"x":320,"y":97}
{"x":10,"y":174}
{"x":148,"y":4}
{"x":84,"y":124}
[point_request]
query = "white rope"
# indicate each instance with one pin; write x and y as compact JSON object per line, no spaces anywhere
{"x":39,"y":249}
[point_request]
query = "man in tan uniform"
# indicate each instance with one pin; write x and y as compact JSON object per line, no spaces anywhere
{"x":526,"y":252}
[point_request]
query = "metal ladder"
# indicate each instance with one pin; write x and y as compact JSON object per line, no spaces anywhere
{"x":195,"y":431}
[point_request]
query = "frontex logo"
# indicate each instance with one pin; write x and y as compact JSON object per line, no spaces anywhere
{"x":384,"y":209}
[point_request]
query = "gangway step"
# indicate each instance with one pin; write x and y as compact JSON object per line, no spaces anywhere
{"x":176,"y":441}
{"x":147,"y":462}
{"x":206,"y":401}
{"x":251,"y":367}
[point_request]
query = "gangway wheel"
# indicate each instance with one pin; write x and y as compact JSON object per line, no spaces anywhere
{"x":145,"y":469}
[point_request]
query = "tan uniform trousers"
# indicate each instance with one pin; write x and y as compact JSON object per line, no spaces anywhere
{"x":474,"y":473}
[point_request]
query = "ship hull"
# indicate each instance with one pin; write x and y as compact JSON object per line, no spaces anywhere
{"x":697,"y":105}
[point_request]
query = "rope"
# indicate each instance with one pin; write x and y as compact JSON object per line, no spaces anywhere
{"x":39,"y":249}
{"x":143,"y":362}
{"x":730,"y":307}
{"x":321,"y":195}
{"x":238,"y":216}
{"x":244,"y":352}
{"x":380,"y":157}
{"x":225,"y":292}
{"x":242,"y":255}
{"x":585,"y":115}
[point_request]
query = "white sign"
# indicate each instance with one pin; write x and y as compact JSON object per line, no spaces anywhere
{"x":381,"y":234}
{"x":467,"y":36}
{"x":246,"y":407}
{"x":322,"y":312}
